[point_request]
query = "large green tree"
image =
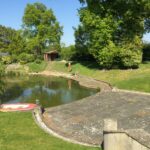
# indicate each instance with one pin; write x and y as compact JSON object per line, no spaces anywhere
{"x":41,"y":28}
{"x":82,"y":43}
{"x":113,"y":30}
{"x":11,"y":42}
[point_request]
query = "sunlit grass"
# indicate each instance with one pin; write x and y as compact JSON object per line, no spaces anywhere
{"x":34,"y":67}
{"x":18,"y":131}
{"x":58,"y":66}
{"x":131,"y":79}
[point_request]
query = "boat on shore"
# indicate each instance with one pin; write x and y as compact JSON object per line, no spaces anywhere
{"x":17,"y":107}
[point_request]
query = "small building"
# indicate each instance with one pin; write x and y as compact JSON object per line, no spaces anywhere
{"x":51,"y":55}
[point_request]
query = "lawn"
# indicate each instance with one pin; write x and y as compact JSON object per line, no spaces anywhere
{"x":18,"y":131}
{"x":131,"y":79}
{"x":37,"y":67}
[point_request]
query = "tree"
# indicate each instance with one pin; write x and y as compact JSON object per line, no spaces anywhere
{"x":81,"y":46}
{"x":41,"y":29}
{"x":11,"y":42}
{"x":113,"y":32}
{"x":68,"y":53}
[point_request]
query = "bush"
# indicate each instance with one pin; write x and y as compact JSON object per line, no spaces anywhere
{"x":131,"y":54}
{"x":6,"y":60}
{"x":25,"y":58}
{"x":130,"y":58}
{"x":38,"y":61}
{"x":14,"y":58}
{"x":106,"y":56}
{"x":68,"y":53}
{"x":126,"y":56}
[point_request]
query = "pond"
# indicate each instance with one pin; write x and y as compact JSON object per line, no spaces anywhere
{"x":50,"y":91}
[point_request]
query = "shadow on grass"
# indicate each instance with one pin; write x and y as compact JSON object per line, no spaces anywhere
{"x":89,"y":64}
{"x":93,"y":65}
{"x":146,"y":62}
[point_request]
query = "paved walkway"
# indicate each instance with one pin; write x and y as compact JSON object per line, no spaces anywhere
{"x":83,"y":120}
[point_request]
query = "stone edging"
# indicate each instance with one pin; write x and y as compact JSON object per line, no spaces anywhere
{"x":127,"y":91}
{"x":39,"y":121}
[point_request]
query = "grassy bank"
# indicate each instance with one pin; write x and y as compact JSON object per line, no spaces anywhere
{"x":132,"y":79}
{"x":34,"y":67}
{"x":18,"y":131}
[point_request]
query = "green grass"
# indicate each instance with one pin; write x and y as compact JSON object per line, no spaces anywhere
{"x":18,"y":131}
{"x":58,"y":66}
{"x":34,"y":67}
{"x":132,"y":79}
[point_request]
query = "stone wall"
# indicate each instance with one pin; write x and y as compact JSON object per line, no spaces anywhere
{"x":120,"y":140}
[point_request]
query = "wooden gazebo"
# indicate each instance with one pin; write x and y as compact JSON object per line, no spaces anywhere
{"x":51,"y":55}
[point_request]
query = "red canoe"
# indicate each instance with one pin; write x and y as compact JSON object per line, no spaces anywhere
{"x":17,"y":107}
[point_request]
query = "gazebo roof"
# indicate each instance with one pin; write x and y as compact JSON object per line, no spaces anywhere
{"x":52,"y":52}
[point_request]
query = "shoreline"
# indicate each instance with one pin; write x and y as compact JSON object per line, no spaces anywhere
{"x":82,"y":80}
{"x":88,"y":82}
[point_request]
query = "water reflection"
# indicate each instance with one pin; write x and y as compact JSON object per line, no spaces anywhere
{"x":51,"y":91}
{"x":69,"y":84}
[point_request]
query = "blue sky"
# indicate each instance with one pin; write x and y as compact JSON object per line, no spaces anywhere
{"x":146,"y":37}
{"x":11,"y":12}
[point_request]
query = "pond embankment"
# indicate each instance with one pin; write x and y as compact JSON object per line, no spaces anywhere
{"x":82,"y":121}
{"x":83,"y":80}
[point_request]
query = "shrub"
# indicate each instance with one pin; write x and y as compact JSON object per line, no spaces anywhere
{"x":25,"y":58}
{"x":6,"y":60}
{"x":131,"y":53}
{"x":68,"y":53}
{"x":106,"y":56}
{"x":38,"y":61}
{"x":14,"y":58}
{"x":126,"y":56}
{"x":130,"y":58}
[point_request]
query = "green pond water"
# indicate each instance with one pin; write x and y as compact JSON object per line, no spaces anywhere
{"x":50,"y":91}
